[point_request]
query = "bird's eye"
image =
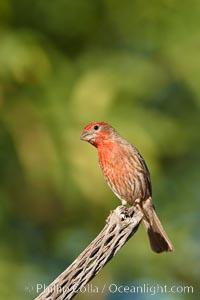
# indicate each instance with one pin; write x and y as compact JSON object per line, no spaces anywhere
{"x":96,"y":127}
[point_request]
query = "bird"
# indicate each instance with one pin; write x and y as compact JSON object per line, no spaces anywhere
{"x":127,"y":175}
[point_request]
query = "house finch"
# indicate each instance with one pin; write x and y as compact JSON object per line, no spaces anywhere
{"x":128,"y":177}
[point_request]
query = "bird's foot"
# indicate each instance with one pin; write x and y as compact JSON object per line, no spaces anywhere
{"x":137,"y":201}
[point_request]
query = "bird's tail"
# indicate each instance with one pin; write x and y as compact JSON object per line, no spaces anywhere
{"x":158,"y":238}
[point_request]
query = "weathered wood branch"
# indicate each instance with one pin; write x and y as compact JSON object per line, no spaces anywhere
{"x":120,"y":226}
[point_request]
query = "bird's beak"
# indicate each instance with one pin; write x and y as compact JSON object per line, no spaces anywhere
{"x":85,"y":136}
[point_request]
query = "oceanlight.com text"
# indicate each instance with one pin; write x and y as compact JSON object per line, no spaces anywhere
{"x":150,"y":289}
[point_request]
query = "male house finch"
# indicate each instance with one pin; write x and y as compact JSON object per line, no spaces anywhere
{"x":128,"y":177}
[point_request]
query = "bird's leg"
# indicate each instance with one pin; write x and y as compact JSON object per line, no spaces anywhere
{"x":138,"y":204}
{"x":148,"y":209}
{"x":124,"y":202}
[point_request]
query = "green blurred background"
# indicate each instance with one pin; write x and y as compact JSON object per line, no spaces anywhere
{"x":64,"y":64}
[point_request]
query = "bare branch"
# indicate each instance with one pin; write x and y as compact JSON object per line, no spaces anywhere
{"x":120,"y":226}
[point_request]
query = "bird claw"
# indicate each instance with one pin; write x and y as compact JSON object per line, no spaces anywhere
{"x":118,"y":214}
{"x":121,"y":212}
